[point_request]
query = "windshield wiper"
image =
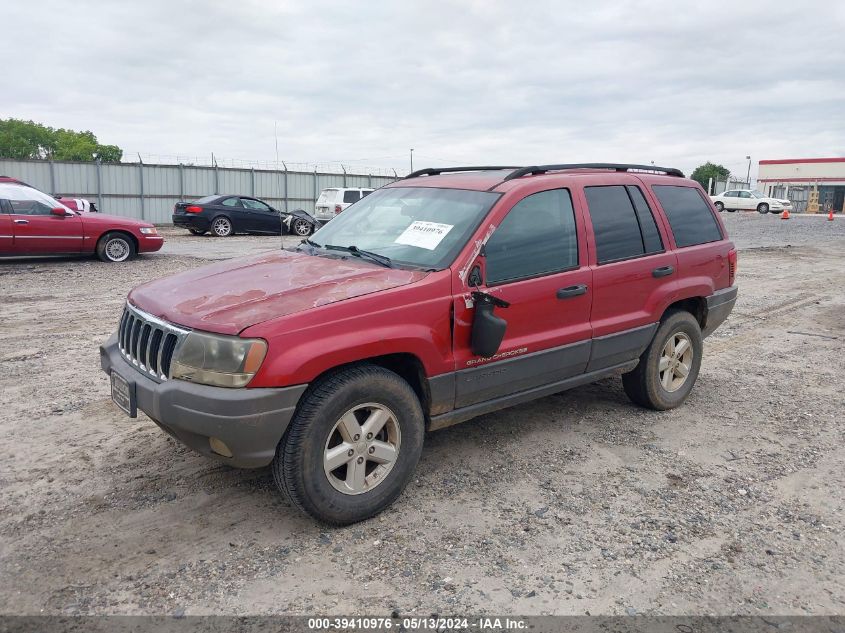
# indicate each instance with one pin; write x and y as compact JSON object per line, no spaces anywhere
{"x":375,"y":257}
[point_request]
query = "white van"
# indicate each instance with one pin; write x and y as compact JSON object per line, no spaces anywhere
{"x":335,"y":199}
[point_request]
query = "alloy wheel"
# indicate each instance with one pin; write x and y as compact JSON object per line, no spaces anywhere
{"x":675,"y":361}
{"x":117,"y":249}
{"x":222,"y":227}
{"x":362,"y":448}
{"x":301,"y":227}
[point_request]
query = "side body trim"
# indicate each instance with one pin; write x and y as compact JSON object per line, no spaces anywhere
{"x":613,"y":349}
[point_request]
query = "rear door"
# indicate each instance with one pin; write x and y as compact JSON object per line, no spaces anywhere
{"x":261,"y":218}
{"x":633,"y":272}
{"x":703,"y":252}
{"x":535,"y":260}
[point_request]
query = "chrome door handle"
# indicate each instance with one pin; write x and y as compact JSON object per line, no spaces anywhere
{"x":21,"y":221}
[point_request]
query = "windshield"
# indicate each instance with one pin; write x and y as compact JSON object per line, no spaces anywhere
{"x":26,"y":200}
{"x":757,"y":194}
{"x":419,"y":226}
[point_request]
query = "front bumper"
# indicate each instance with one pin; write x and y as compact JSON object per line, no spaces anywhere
{"x":150,"y":243}
{"x":250,"y":422}
{"x":719,"y":306}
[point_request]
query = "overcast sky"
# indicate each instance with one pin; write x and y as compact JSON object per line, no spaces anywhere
{"x":463,"y":81}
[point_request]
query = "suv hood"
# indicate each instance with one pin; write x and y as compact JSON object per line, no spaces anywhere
{"x":231,"y":296}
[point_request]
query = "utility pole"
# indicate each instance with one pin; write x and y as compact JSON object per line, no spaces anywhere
{"x":748,"y":175}
{"x":276,"y":134}
{"x":412,"y":159}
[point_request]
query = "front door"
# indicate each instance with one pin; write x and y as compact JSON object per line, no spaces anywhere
{"x":38,"y":232}
{"x":260,"y":217}
{"x":6,"y":234}
{"x":534,"y":260}
{"x":746,"y":201}
{"x":632,"y":273}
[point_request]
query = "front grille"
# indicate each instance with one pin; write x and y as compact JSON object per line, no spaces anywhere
{"x":147,"y":342}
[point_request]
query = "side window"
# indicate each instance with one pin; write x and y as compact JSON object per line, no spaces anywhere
{"x":249,"y":203}
{"x":231,"y":202}
{"x":30,"y":207}
{"x":366,"y":192}
{"x":689,"y":215}
{"x":4,"y":206}
{"x":744,"y":194}
{"x":536,"y":237}
{"x":651,"y":236}
{"x":615,"y":224}
{"x":351,"y":196}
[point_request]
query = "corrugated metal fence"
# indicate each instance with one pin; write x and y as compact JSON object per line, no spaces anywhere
{"x":148,"y":192}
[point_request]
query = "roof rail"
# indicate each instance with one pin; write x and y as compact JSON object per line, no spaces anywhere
{"x":434,"y":171}
{"x":542,"y":169}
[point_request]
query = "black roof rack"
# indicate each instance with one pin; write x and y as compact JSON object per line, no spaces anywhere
{"x":542,"y":169}
{"x":434,"y":171}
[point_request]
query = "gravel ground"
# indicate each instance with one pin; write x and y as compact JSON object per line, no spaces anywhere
{"x":579,"y":502}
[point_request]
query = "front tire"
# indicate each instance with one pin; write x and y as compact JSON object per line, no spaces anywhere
{"x":352,"y":445}
{"x":301,"y":227}
{"x":669,"y":366}
{"x":762,"y":208}
{"x":116,"y":247}
{"x":720,"y":207}
{"x":221,"y":226}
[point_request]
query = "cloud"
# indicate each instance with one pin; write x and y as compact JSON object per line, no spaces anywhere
{"x":459,"y":81}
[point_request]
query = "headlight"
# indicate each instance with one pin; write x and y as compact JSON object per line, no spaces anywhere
{"x":148,"y":230}
{"x":222,"y":361}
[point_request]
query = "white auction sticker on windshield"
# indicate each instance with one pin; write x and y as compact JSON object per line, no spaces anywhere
{"x":424,"y":234}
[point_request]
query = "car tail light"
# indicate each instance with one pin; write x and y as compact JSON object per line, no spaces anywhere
{"x":732,"y":263}
{"x":193,"y":209}
{"x":337,"y":209}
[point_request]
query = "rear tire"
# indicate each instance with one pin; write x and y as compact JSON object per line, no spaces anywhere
{"x":720,"y":207}
{"x":731,"y":210}
{"x":762,"y":208}
{"x":325,"y":432}
{"x":197,"y":231}
{"x":221,"y":226}
{"x":662,"y":379}
{"x":116,"y":247}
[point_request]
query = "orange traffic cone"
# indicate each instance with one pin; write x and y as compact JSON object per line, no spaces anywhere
{"x":784,"y":215}
{"x":830,"y":216}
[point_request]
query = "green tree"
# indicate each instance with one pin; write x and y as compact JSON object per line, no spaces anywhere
{"x":703,"y":173}
{"x":27,"y":139}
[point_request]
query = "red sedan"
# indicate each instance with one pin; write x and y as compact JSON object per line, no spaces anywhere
{"x":33,"y":223}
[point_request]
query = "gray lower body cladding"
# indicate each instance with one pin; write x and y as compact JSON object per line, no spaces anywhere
{"x":250,"y":422}
{"x":719,"y":306}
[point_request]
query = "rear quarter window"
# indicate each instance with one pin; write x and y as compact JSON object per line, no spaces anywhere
{"x":689,"y":216}
{"x":351,"y":196}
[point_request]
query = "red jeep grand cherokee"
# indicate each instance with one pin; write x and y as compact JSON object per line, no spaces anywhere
{"x":438,"y":298}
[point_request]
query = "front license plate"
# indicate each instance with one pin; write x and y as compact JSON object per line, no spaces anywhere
{"x":123,"y":394}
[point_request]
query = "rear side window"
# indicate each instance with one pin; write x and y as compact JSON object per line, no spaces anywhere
{"x":621,"y":230}
{"x":231,"y":202}
{"x":366,"y":192}
{"x":536,"y":237}
{"x":651,"y":236}
{"x":351,"y":196}
{"x":689,"y":216}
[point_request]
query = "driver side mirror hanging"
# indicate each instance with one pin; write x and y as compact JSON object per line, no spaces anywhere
{"x":488,"y":330}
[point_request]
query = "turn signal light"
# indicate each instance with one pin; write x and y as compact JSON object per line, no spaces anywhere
{"x":193,"y":209}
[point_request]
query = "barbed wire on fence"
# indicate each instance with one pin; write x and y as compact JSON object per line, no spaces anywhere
{"x":236,"y":163}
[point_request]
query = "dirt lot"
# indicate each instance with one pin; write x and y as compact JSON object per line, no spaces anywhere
{"x":577,"y":502}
